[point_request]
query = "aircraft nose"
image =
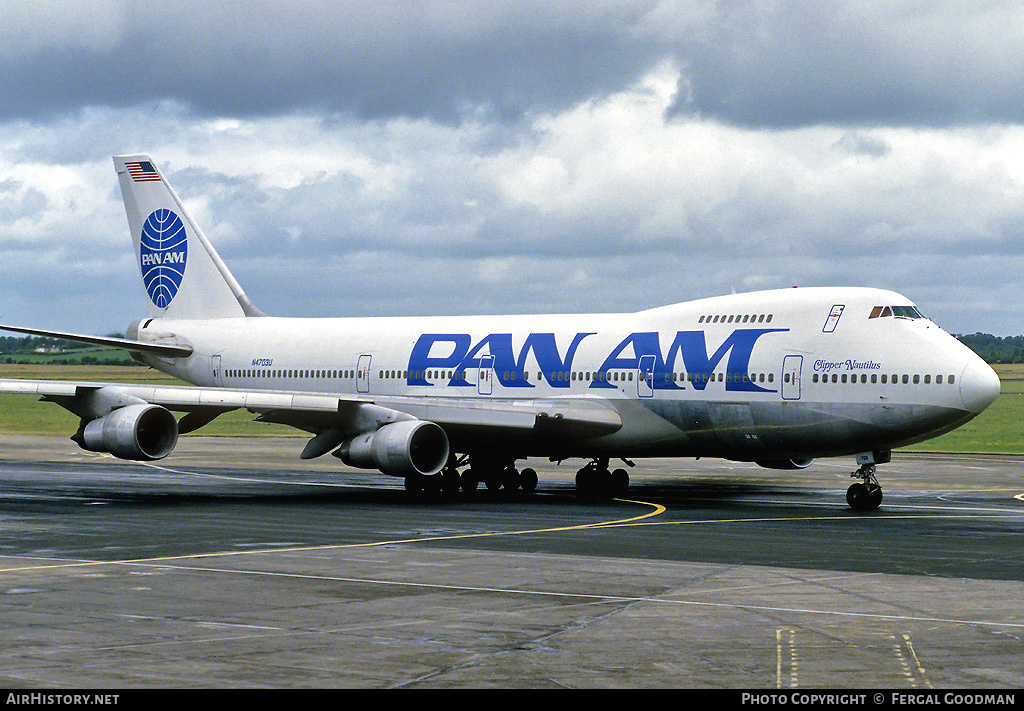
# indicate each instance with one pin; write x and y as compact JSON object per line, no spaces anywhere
{"x":979,"y":385}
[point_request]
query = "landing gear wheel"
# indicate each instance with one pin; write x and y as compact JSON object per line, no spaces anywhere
{"x":584,"y":481}
{"x":468,"y":482}
{"x":619,"y":482}
{"x":510,"y":479}
{"x":528,"y":480}
{"x":592,"y":479}
{"x":450,"y":481}
{"x":858,"y":497}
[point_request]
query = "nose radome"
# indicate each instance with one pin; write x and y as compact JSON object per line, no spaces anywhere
{"x":979,"y":385}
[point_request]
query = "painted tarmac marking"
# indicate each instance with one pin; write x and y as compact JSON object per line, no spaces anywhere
{"x":163,"y":562}
{"x":658,"y":509}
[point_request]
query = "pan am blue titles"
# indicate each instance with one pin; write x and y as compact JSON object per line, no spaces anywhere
{"x":774,"y":377}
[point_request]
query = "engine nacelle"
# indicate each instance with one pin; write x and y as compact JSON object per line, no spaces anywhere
{"x":140,"y":432}
{"x":399,"y":449}
{"x":793,"y":463}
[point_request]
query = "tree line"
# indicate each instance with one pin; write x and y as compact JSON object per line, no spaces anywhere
{"x":995,"y":349}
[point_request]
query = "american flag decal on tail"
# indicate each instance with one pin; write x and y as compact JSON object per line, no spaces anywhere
{"x":142,"y":171}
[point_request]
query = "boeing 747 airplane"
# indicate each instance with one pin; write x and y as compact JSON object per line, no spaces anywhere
{"x":774,"y":377}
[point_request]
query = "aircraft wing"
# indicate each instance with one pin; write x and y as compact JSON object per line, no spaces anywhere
{"x":578,"y":417}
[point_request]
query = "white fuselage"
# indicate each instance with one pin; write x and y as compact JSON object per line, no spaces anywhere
{"x":761,"y":376}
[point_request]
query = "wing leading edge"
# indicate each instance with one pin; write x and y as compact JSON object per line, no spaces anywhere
{"x":317,"y":412}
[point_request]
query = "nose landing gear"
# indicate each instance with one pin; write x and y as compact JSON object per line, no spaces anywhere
{"x":867,"y":494}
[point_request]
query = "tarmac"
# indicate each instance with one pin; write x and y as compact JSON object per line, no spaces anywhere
{"x":234,"y":565}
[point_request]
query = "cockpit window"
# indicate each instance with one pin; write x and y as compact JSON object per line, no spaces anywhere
{"x":906,"y":312}
{"x":897,"y":311}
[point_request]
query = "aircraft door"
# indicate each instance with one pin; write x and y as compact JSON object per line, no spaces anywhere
{"x":791,"y":367}
{"x":833,"y":319}
{"x":645,"y":379}
{"x":363,"y":374}
{"x":215,"y":368}
{"x":485,"y":376}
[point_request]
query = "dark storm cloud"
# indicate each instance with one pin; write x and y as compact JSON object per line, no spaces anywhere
{"x":776,"y":64}
{"x":796,"y":63}
{"x":368,"y":59}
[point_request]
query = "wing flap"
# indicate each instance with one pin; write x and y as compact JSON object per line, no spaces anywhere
{"x":44,"y":388}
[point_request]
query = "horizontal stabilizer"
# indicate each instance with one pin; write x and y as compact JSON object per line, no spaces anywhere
{"x":159,"y":349}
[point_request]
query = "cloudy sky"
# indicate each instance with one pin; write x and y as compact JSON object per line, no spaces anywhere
{"x":442,"y":157}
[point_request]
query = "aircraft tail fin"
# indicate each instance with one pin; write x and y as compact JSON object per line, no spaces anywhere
{"x":183,"y":275}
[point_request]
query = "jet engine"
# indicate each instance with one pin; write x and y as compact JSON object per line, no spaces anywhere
{"x":140,"y":432}
{"x":793,"y":463}
{"x":401,"y":448}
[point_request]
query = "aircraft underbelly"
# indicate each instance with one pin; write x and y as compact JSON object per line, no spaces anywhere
{"x":750,"y":431}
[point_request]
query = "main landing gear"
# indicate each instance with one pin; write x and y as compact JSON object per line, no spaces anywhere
{"x":494,"y":474}
{"x":467,"y":472}
{"x":867,"y":494}
{"x":498,"y":477}
{"x":595,"y":479}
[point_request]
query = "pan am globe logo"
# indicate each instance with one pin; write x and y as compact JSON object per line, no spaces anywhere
{"x":162,"y":254}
